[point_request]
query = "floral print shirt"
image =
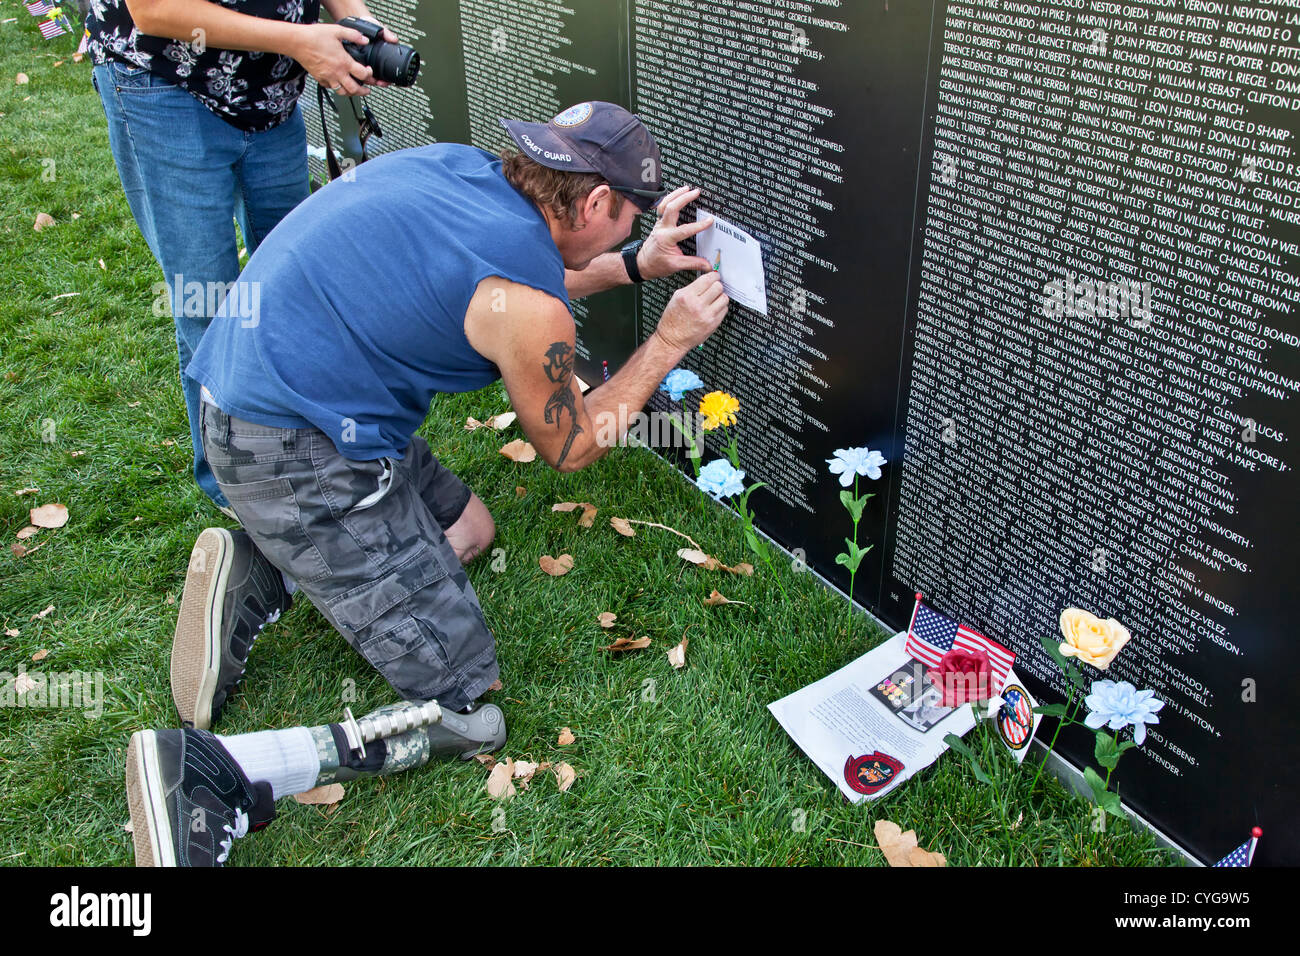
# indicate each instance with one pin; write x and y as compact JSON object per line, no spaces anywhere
{"x":253,"y":91}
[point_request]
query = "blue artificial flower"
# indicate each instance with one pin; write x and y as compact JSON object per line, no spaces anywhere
{"x":1119,"y":705}
{"x":679,"y":381}
{"x":850,"y":461}
{"x":720,"y":479}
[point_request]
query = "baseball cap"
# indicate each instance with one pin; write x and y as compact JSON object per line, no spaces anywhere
{"x":596,"y":137}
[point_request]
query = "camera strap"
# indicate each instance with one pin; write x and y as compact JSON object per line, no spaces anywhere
{"x":331,"y":162}
{"x":367,"y":126}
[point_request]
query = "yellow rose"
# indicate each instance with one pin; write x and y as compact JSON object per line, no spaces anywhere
{"x":1091,"y":639}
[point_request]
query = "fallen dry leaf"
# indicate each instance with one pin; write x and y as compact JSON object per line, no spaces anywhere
{"x":901,"y":848}
{"x":715,"y":598}
{"x":607,"y":618}
{"x":49,"y":516}
{"x":58,"y":63}
{"x":78,"y":57}
{"x":27,"y":532}
{"x":75,"y":454}
{"x":564,"y":776}
{"x":102,"y":266}
{"x":628,"y":644}
{"x":486,"y":760}
{"x":43,"y":219}
{"x":128,"y":827}
{"x":566,"y":737}
{"x":622,"y":527}
{"x":498,"y":422}
{"x":25,"y":491}
{"x":523,"y":772}
{"x":41,"y":655}
{"x":588,"y":511}
{"x":327,"y":795}
{"x":20,"y":550}
{"x":499,"y":784}
{"x":520,"y":491}
{"x":21,"y":78}
{"x":46,"y":613}
{"x":710,"y":563}
{"x":12,"y":632}
{"x":132,"y":404}
{"x":23,"y":683}
{"x":496,"y":684}
{"x":677,"y":655}
{"x":519,"y":450}
{"x":556,"y":567}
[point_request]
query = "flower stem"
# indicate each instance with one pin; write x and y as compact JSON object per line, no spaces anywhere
{"x":853,"y":567}
{"x":1068,"y":719}
{"x":733,"y":450}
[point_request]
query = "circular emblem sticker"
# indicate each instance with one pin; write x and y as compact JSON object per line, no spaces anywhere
{"x":574,"y":115}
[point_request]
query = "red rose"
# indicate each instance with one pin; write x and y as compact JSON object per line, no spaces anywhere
{"x":963,"y":677}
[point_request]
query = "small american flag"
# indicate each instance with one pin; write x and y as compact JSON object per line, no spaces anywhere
{"x":51,"y":29}
{"x":1244,"y":853}
{"x":933,"y":635}
{"x":38,"y":8}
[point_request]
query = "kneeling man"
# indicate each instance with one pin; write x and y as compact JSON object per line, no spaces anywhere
{"x":437,"y":269}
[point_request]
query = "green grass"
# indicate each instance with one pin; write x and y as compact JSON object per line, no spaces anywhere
{"x":700,"y":774}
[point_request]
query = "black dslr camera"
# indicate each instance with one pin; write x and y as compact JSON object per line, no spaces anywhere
{"x":391,"y":62}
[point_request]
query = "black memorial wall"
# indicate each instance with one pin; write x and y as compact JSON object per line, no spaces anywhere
{"x":937,"y":186}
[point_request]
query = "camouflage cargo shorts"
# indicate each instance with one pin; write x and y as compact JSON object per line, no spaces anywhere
{"x":364,"y":542}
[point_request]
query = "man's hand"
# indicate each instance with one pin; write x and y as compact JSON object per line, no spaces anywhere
{"x":694,"y":312}
{"x":660,"y":255}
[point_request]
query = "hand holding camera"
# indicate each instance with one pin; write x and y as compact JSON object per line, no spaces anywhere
{"x":342,"y":57}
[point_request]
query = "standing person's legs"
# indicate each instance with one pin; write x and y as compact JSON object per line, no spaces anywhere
{"x":272,"y":177}
{"x":177,"y":163}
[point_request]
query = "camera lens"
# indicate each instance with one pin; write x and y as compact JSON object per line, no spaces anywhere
{"x":394,"y":63}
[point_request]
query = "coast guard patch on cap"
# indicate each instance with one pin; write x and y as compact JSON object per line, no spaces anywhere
{"x":574,"y":115}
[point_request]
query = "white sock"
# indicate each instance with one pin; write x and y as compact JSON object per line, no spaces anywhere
{"x":286,"y":759}
{"x":290,"y":584}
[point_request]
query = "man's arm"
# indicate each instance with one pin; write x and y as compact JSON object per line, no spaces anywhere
{"x":659,"y":255}
{"x":530,"y":338}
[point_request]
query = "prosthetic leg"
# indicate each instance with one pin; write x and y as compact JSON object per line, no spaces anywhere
{"x":401,"y":736}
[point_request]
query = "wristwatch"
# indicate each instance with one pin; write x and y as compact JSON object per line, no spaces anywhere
{"x":629,"y":260}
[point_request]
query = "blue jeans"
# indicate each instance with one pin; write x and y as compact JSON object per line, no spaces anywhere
{"x":188,"y":175}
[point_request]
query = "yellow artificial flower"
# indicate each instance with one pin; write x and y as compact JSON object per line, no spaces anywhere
{"x":718,"y":408}
{"x":1091,"y":639}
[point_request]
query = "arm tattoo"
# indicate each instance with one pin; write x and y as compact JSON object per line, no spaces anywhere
{"x":559,"y":369}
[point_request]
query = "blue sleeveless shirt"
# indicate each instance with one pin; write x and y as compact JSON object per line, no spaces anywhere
{"x":350,"y":316}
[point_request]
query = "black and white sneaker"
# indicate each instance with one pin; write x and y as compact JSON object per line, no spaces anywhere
{"x":231,"y":592}
{"x":189,"y":800}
